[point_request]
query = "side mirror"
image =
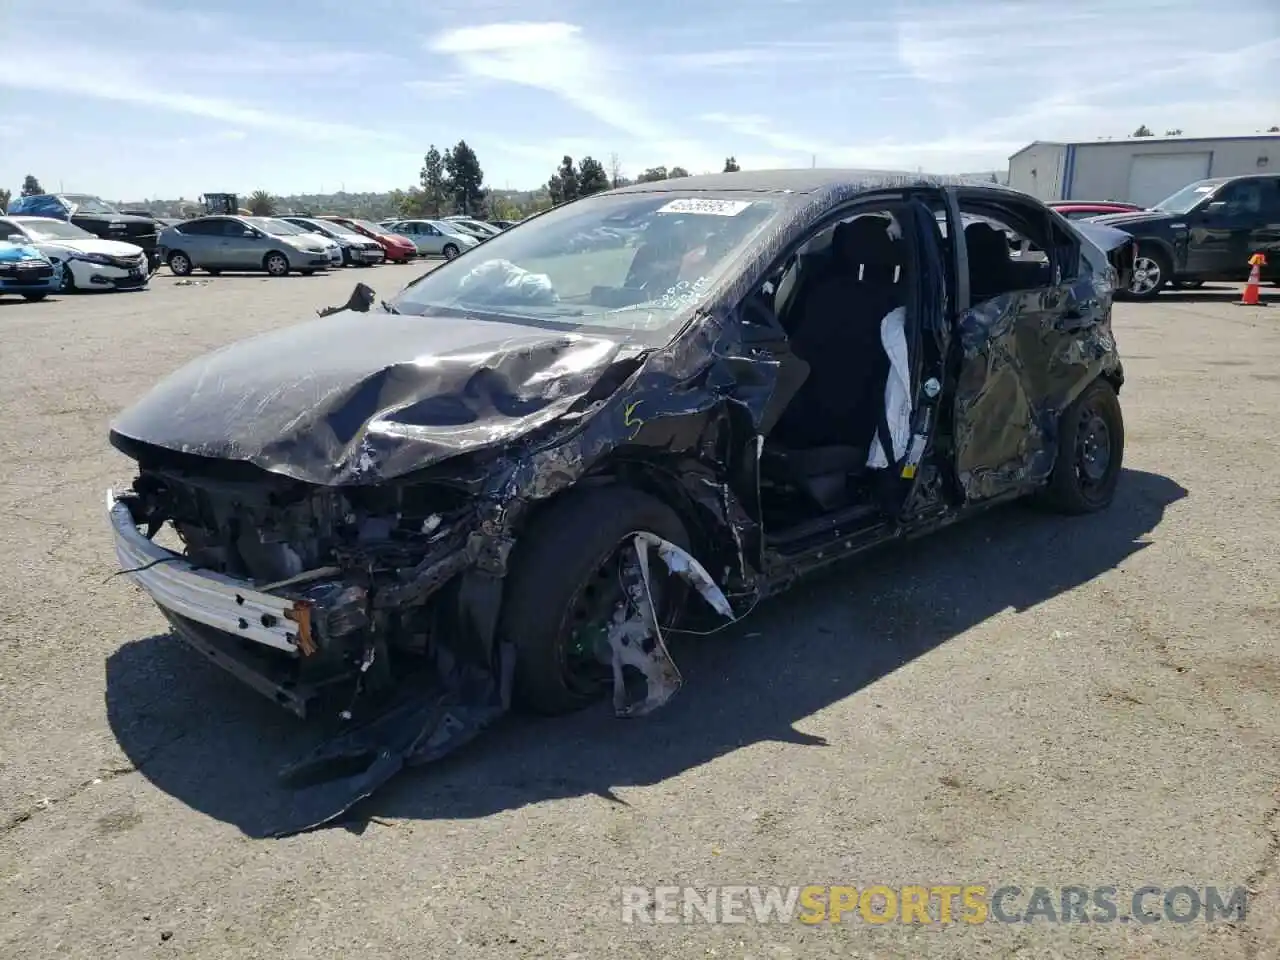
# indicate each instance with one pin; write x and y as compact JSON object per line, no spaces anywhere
{"x":17,"y":238}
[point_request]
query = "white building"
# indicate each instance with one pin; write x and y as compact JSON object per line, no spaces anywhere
{"x":1143,"y":170}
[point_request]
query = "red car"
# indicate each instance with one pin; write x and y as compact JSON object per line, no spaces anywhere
{"x":397,"y":249}
{"x":1083,"y":209}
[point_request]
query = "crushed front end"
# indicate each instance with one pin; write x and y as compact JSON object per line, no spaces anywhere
{"x":296,"y":589}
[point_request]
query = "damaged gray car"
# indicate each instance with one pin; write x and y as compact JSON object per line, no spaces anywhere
{"x":523,"y":473}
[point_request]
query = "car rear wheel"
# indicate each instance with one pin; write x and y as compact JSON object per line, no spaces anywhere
{"x":564,"y":585}
{"x":1150,"y":273}
{"x":179,"y":264}
{"x":450,"y":251}
{"x":68,"y":279}
{"x":1090,"y":452}
{"x":276,"y":264}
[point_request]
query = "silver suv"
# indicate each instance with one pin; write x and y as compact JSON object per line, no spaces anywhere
{"x":222,"y":243}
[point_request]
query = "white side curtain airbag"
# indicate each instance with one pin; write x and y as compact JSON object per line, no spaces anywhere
{"x":897,"y":390}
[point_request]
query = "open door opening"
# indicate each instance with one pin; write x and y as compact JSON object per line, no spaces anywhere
{"x":828,"y":466}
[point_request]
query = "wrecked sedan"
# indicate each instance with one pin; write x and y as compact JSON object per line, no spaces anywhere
{"x":533,"y":464}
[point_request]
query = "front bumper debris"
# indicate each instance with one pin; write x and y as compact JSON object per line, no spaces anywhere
{"x":224,"y":603}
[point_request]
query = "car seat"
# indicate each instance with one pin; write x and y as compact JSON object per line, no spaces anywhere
{"x":989,"y":264}
{"x":825,"y":433}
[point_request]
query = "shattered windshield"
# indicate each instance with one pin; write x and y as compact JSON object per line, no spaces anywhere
{"x":87,"y":204}
{"x":628,"y":261}
{"x":1186,"y":198}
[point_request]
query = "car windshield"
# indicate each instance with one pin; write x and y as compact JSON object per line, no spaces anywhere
{"x":87,"y":204}
{"x":1187,"y":197}
{"x":55,"y":230}
{"x":658,"y":257}
{"x":373,"y":228}
{"x":277,"y":228}
{"x":451,"y":228}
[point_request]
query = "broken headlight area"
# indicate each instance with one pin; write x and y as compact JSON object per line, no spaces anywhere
{"x":360,"y":565}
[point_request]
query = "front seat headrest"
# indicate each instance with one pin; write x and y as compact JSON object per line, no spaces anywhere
{"x":866,"y":241}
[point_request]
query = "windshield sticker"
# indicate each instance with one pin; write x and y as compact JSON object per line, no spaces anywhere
{"x":684,"y":294}
{"x":713,"y":208}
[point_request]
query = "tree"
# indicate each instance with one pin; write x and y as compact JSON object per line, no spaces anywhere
{"x":433,"y":193}
{"x":1173,"y":133}
{"x":261,"y":204}
{"x":5,"y":197}
{"x":615,"y":171}
{"x":677,"y":172}
{"x":1143,"y":131}
{"x":652,"y":175}
{"x":1273,"y":129}
{"x":731,"y":165}
{"x":464,"y":180}
{"x":31,"y":186}
{"x":591,"y":177}
{"x":565,"y":183}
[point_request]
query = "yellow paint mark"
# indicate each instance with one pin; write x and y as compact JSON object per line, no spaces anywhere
{"x":629,"y":420}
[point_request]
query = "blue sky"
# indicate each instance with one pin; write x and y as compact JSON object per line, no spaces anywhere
{"x":134,"y":99}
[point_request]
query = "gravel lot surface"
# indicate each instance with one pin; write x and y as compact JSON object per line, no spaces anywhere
{"x":1024,"y":700}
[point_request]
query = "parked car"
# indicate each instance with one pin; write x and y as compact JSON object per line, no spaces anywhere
{"x":357,"y":250}
{"x":504,"y":224}
{"x":575,"y":455}
{"x":83,"y":261}
{"x":1205,"y":232}
{"x":478,"y":228}
{"x":26,"y":271}
{"x":397,"y":249}
{"x":280,"y":227}
{"x":214,"y":244}
{"x":1086,"y":209}
{"x":94,"y":215}
{"x":437,"y":238}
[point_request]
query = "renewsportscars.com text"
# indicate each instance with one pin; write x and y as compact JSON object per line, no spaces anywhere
{"x":940,"y":904}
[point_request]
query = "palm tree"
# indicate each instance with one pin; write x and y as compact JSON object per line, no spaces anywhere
{"x":261,"y":204}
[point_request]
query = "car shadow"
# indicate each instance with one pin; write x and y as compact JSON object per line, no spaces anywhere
{"x":212,"y":744}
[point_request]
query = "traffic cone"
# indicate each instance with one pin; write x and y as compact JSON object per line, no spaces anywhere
{"x":1250,"y":298}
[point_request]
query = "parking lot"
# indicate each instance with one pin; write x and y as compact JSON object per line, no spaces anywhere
{"x":1027,"y":700}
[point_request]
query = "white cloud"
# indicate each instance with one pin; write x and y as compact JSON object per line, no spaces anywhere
{"x":129,"y":84}
{"x":442,"y":89}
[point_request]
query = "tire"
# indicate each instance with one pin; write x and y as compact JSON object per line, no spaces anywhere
{"x":1148,"y":281}
{"x":450,"y":251}
{"x":68,"y":279}
{"x":213,"y":272}
{"x":1080,"y":483}
{"x":1188,"y":284}
{"x":276,"y":264}
{"x":179,"y":264}
{"x":307,"y":273}
{"x":35,"y":297}
{"x":557,"y":565}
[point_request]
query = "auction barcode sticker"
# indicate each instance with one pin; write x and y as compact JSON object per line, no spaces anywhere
{"x":714,"y":208}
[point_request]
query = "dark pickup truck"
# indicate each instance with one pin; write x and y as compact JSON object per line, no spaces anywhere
{"x":1206,"y":231}
{"x":94,"y":215}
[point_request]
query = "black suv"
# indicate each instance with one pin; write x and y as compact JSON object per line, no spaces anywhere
{"x":1206,"y":231}
{"x":90,"y":213}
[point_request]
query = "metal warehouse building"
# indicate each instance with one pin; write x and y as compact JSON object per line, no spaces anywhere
{"x":1143,"y":170}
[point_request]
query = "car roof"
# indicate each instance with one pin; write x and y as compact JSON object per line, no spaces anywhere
{"x":27,"y":218}
{"x":804,"y":181}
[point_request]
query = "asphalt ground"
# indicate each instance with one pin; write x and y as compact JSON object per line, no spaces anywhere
{"x":1023,"y":700}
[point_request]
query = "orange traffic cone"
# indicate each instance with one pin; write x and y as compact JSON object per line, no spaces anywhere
{"x":1250,"y":298}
